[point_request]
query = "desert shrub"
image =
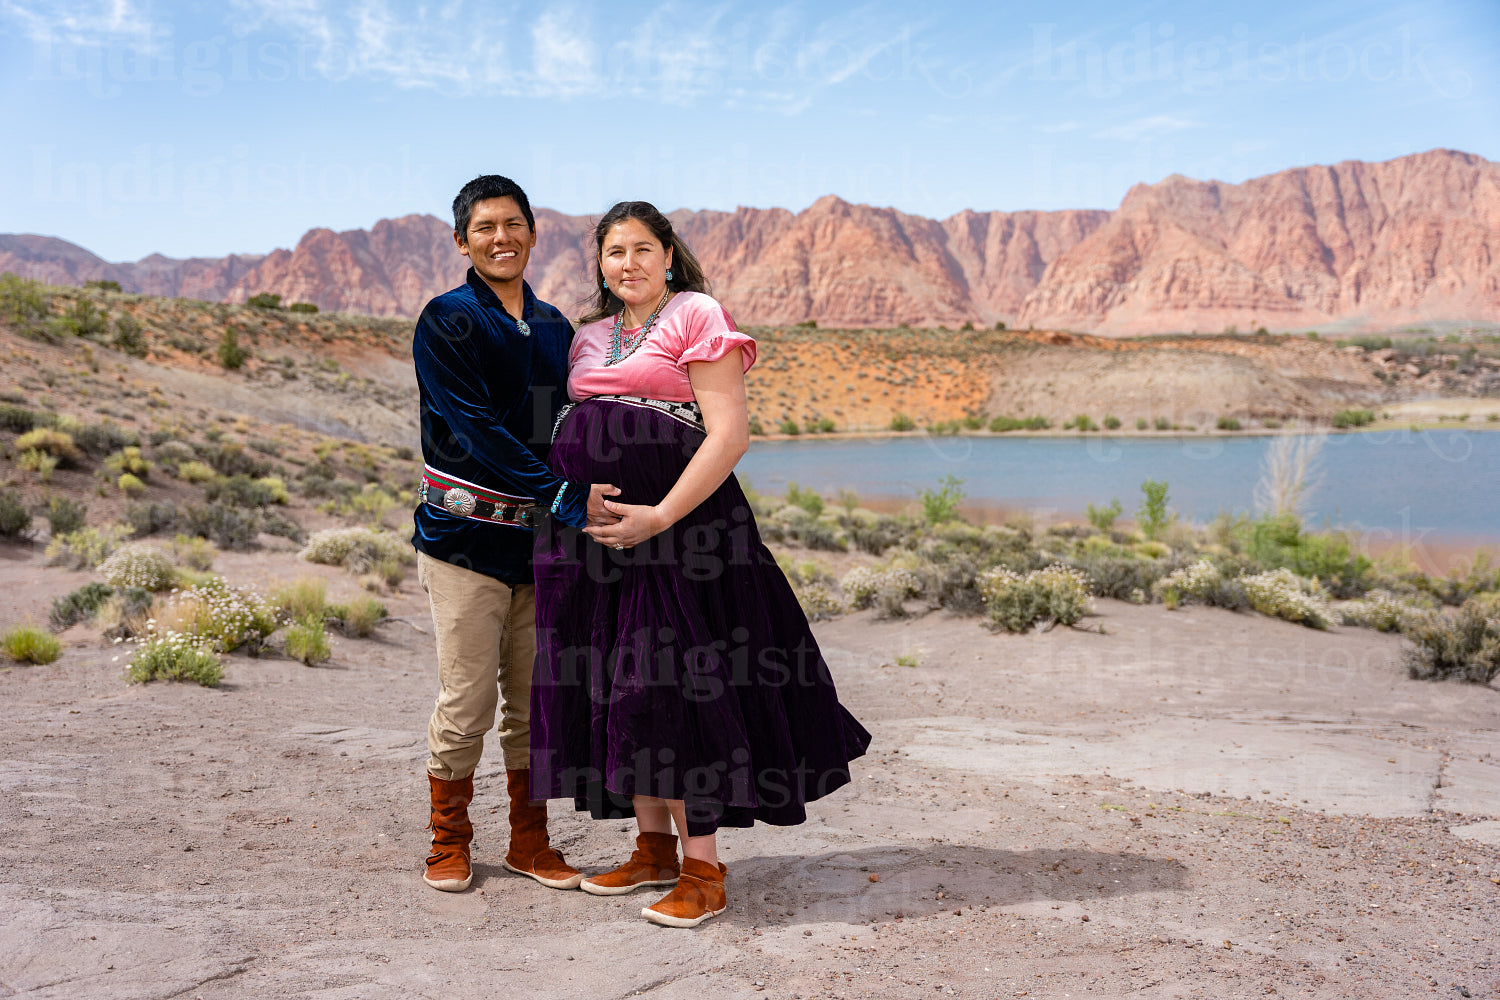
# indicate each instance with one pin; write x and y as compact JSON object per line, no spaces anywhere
{"x":29,"y":644}
{"x":1203,"y":582}
{"x":1015,"y":602}
{"x":1278,"y":541}
{"x":264,"y":300}
{"x":272,"y":522}
{"x":1482,"y":574}
{"x":1003,"y":424}
{"x":808,"y":500}
{"x":1118,"y":574}
{"x":149,"y":518}
{"x":1083,"y":422}
{"x":170,"y":454}
{"x":231,"y":354}
{"x":79,"y":605}
{"x":356,"y":549}
{"x":14,"y":517}
{"x":242,"y":491}
{"x":371,"y":504}
{"x":359,"y":617}
{"x":128,"y":460}
{"x":307,"y":640}
{"x":220,"y":617}
{"x":196,"y":472}
{"x":1227,"y":424}
{"x":87,"y":547}
{"x":877,"y":535}
{"x":173,"y":656}
{"x":23,"y":303}
{"x":1464,"y":646}
{"x":884,"y":589}
{"x":1103,"y":518}
{"x":1382,"y":611}
{"x":947,"y":577}
{"x":194,"y":553}
{"x":129,"y":338}
{"x":1353,"y":418}
{"x":17,"y":418}
{"x":901,"y":422}
{"x":305,"y":597}
{"x":819,"y":603}
{"x":101,"y":439}
{"x":126,"y":613}
{"x":1281,"y":593}
{"x":941,"y":505}
{"x":1111,"y":422}
{"x":137,"y":566}
{"x":130,"y":485}
{"x":63,"y":514}
{"x":302,"y":307}
{"x":229,"y":458}
{"x":52,"y":442}
{"x":227,"y":527}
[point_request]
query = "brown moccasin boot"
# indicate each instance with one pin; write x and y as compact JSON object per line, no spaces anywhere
{"x":530,"y":853}
{"x":448,"y":865}
{"x":699,"y":895}
{"x":654,"y":862}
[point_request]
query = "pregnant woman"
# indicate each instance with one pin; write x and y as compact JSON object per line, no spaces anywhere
{"x":677,"y":679}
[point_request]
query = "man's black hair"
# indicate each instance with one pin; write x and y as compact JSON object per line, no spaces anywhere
{"x":480,"y":188}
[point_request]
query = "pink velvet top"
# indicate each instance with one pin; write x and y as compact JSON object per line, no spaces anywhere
{"x":691,"y":327}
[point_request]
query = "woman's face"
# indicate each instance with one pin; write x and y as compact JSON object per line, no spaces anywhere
{"x":635,"y":264}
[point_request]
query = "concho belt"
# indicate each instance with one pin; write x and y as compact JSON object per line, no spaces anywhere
{"x":464,"y":499}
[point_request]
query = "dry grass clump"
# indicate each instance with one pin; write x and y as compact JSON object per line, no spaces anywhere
{"x":305,"y":597}
{"x":29,"y":644}
{"x":307,"y":640}
{"x":359,"y":617}
{"x":175,"y":656}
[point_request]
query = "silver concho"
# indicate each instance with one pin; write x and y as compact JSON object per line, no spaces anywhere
{"x":459,"y":501}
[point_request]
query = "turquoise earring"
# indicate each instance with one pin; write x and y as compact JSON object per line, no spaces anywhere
{"x":605,"y":283}
{"x":669,"y":274}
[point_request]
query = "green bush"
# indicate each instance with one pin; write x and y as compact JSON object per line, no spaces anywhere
{"x":1227,"y":424}
{"x":1353,"y":418}
{"x":1464,"y":646}
{"x":302,"y":307}
{"x":103,"y":285}
{"x":307,"y":641}
{"x":1162,"y":424}
{"x":884,"y":589}
{"x":306,"y":597}
{"x":195,"y":472}
{"x":901,"y":422}
{"x":1015,"y":602}
{"x":1118,"y":573}
{"x":130,"y":485}
{"x":1140,"y":423}
{"x":100,"y":439}
{"x":808,"y":500}
{"x":1277,"y":541}
{"x":1281,"y":593}
{"x":1083,"y":422}
{"x":221,"y":617}
{"x":23,"y":303}
{"x":1002,"y":424}
{"x":63,"y":514}
{"x":194,"y":553}
{"x":756,"y":430}
{"x":788,"y":427}
{"x":1111,"y":422}
{"x":53,"y":442}
{"x":941,"y":504}
{"x":29,"y":644}
{"x":14,"y":517}
{"x":174,"y":656}
{"x":243,"y":491}
{"x":356,"y":549}
{"x":1103,"y":518}
{"x":84,"y":319}
{"x":231,"y":355}
{"x":79,"y":605}
{"x":128,"y":460}
{"x":264,"y":300}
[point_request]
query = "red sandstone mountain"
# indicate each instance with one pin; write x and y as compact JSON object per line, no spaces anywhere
{"x":1357,"y":244}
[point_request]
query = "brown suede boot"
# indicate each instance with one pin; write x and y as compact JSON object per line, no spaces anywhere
{"x":654,"y":862}
{"x":448,"y":865}
{"x":530,"y":853}
{"x":698,"y":896}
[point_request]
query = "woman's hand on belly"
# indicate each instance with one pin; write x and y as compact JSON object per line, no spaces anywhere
{"x":637,"y":522}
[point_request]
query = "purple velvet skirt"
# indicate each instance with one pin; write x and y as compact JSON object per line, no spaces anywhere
{"x":683,"y":668}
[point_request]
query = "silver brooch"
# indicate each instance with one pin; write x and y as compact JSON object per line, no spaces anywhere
{"x":525,"y":330}
{"x":460,"y":502}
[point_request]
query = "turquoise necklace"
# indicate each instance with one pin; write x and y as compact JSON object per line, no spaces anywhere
{"x":619,"y":350}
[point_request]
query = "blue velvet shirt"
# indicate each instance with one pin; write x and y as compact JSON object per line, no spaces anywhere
{"x":489,"y":396}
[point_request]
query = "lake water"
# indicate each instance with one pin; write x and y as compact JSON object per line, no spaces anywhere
{"x":1399,"y":486}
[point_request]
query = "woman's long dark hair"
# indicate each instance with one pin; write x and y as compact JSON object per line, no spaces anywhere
{"x":687,"y":273}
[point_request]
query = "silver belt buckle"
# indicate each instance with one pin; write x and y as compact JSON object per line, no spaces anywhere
{"x":459,"y":501}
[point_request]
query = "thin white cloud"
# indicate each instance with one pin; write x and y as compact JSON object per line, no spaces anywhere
{"x":1150,"y":127}
{"x":88,"y":23}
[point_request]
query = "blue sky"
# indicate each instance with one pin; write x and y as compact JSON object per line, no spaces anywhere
{"x":204,"y":128}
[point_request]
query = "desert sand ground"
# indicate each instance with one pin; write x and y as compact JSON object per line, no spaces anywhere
{"x":1193,"y":803}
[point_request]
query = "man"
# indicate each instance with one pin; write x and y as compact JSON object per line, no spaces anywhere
{"x":492,"y":364}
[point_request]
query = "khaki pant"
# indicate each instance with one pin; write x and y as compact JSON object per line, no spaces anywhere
{"x":486,"y":644}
